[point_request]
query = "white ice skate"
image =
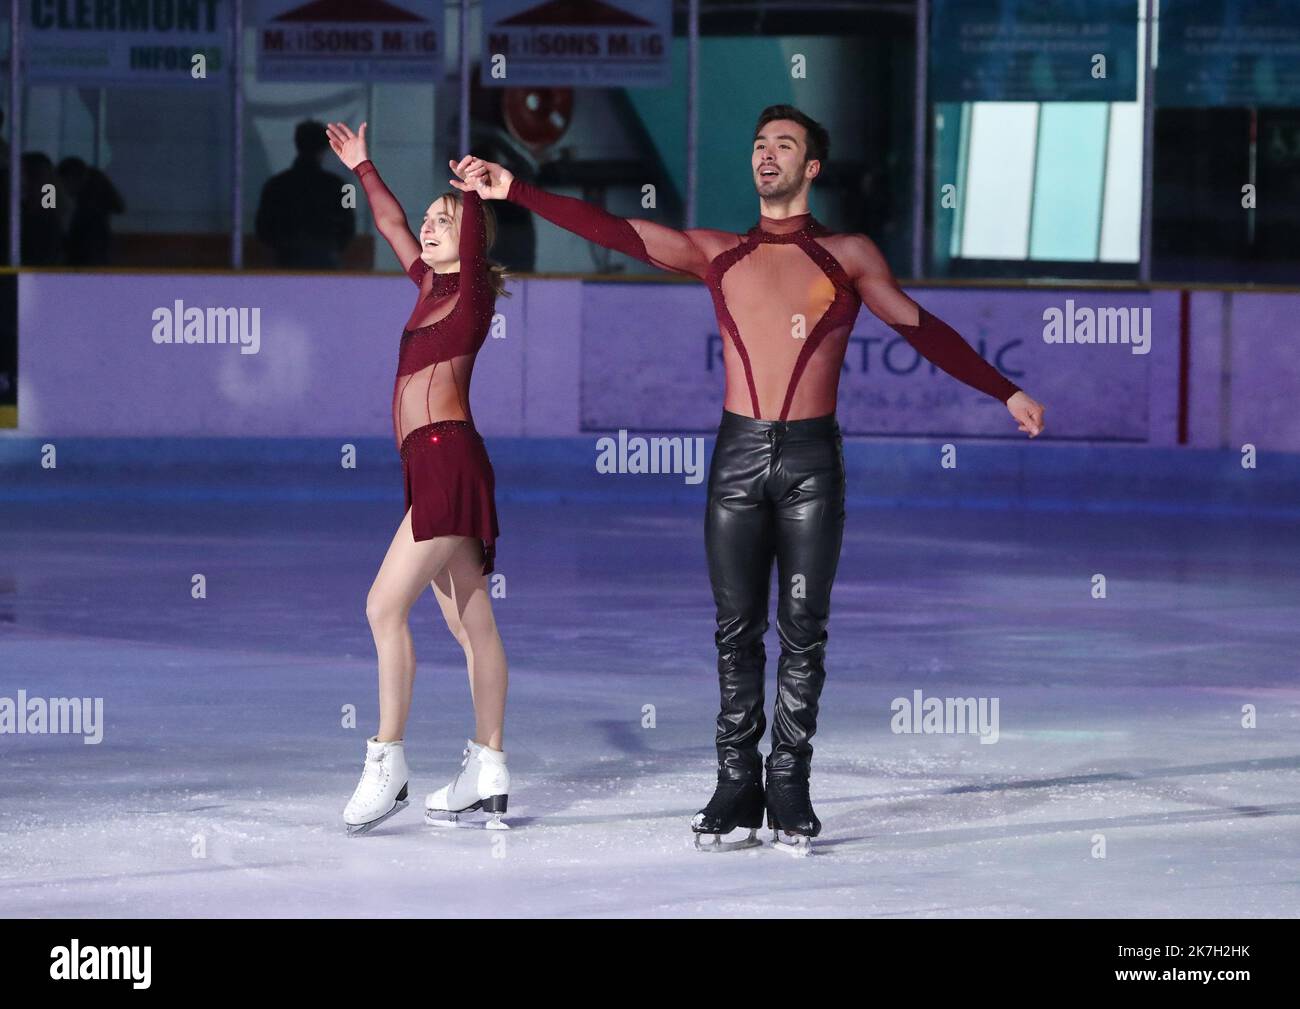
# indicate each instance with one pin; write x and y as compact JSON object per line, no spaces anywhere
{"x":381,"y":792}
{"x":483,"y":782}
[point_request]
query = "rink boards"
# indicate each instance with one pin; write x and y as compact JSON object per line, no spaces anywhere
{"x":229,"y":355}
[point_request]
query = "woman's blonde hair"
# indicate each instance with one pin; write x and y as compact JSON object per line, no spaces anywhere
{"x":497,"y":274}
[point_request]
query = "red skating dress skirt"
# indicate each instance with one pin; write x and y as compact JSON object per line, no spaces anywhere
{"x":450,"y":487}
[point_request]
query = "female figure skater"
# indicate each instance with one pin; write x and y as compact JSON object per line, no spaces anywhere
{"x":447,"y":537}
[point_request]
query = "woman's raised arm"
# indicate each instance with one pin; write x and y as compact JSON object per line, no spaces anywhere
{"x":388,"y":213}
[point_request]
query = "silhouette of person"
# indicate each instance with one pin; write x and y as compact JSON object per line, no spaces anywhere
{"x":88,"y":240}
{"x":301,"y":216}
{"x":41,"y":238}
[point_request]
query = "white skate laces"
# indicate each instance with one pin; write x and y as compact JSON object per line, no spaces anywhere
{"x":381,"y":792}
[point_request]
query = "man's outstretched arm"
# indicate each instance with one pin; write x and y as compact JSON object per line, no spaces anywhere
{"x":937,"y":342}
{"x":651,"y":243}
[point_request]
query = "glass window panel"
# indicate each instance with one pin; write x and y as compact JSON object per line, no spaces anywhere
{"x":1121,"y":222}
{"x":999,"y":180}
{"x":1071,"y":165}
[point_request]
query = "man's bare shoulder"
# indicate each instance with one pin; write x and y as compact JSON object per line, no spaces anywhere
{"x":713,"y":242}
{"x":857,"y":253}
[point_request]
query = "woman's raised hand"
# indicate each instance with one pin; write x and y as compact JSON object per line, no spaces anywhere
{"x":488,"y":179}
{"x":349,"y":146}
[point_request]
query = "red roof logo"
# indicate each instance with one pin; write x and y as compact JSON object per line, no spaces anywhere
{"x":350,"y":11}
{"x":575,"y":12}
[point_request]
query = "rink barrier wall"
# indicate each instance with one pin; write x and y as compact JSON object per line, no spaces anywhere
{"x":573,"y":357}
{"x":881,"y":473}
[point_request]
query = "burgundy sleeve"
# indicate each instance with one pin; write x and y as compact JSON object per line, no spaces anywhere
{"x":473,"y":236}
{"x":938,"y":342}
{"x":651,"y":243}
{"x":941,"y":344}
{"x":390,"y":219}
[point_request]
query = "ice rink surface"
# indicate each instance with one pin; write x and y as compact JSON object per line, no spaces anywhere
{"x":1122,"y":781}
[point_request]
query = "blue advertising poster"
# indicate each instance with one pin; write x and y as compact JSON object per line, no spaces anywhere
{"x":1033,"y":50}
{"x":1228,"y":53}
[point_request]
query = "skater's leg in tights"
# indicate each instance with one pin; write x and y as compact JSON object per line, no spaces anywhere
{"x":405,"y":573}
{"x":462,"y":592}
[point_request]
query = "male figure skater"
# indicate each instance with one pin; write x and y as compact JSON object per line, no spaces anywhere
{"x":786,"y":294}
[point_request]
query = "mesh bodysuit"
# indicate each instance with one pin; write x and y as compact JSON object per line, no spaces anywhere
{"x":786,"y":294}
{"x":450,"y":319}
{"x":449,"y":483}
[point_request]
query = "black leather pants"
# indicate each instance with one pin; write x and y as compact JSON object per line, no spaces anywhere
{"x":776,"y":492}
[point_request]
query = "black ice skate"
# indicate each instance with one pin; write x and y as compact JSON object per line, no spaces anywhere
{"x":790,"y":814}
{"x":737,"y":803}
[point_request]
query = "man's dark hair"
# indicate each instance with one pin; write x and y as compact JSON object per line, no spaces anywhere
{"x":309,"y":137}
{"x":819,"y":140}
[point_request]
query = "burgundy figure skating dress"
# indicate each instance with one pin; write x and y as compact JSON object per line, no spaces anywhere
{"x":450,"y":487}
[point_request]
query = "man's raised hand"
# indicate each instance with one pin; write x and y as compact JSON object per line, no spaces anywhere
{"x":489,"y":180}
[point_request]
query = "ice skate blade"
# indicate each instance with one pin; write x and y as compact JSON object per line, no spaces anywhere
{"x":357,"y":829}
{"x":799,"y":845}
{"x":493,"y":806}
{"x":447,"y":820}
{"x":718,"y":844}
